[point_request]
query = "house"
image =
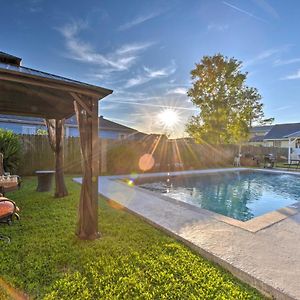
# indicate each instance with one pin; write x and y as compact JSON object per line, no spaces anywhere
{"x":107,"y":129}
{"x":285,"y":136}
{"x":278,"y":135}
{"x":257,"y":134}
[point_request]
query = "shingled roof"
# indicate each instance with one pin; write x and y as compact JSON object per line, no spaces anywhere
{"x":280,"y":131}
{"x":261,"y":129}
{"x":103,"y":123}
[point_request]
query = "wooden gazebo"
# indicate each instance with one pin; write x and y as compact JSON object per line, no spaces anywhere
{"x":29,"y":92}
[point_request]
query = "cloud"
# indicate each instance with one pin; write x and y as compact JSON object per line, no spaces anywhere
{"x":266,"y":54}
{"x":267,"y":8}
{"x":292,"y":76}
{"x":244,"y":12}
{"x":117,"y":60}
{"x":152,"y":105}
{"x":286,"y":107}
{"x":217,"y":27}
{"x":178,"y":90}
{"x":137,"y":81}
{"x":280,"y":62}
{"x":150,"y":74}
{"x":164,"y":72}
{"x":138,"y":20}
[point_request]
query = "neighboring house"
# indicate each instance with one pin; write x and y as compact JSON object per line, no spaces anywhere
{"x":257,"y":134}
{"x":21,"y":125}
{"x":107,"y":128}
{"x":279,"y":135}
{"x":285,"y":136}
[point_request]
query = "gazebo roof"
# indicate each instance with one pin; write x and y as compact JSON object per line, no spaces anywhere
{"x":29,"y":92}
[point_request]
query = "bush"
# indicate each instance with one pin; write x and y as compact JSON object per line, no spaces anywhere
{"x":10,"y":147}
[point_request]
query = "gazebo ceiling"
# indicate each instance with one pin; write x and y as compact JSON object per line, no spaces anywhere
{"x":29,"y":92}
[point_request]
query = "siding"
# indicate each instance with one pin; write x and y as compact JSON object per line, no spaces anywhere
{"x":19,"y":128}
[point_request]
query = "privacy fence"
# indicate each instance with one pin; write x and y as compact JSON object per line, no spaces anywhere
{"x":119,"y":157}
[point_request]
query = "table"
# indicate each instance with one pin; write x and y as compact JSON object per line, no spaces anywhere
{"x":293,"y":163}
{"x":45,"y":179}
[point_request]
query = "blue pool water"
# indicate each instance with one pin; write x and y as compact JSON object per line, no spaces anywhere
{"x":240,"y":195}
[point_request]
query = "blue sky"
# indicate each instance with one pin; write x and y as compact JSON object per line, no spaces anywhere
{"x":144,"y":50}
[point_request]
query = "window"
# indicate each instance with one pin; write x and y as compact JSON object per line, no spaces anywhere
{"x":277,"y":144}
{"x":122,"y":136}
{"x":28,"y":130}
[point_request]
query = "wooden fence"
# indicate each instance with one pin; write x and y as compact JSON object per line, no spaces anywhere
{"x":119,"y":157}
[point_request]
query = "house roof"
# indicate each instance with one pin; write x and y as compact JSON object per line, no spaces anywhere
{"x":261,"y":129}
{"x":11,"y":59}
{"x":281,"y":131}
{"x":293,"y":135}
{"x":103,"y":123}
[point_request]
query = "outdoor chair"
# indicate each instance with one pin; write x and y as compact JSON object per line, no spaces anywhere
{"x":8,"y":213}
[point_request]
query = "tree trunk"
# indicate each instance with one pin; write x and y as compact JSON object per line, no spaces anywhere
{"x":56,"y":140}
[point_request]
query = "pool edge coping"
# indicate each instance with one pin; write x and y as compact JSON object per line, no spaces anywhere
{"x":253,"y":225}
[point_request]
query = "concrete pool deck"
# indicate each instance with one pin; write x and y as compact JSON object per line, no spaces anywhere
{"x":267,"y":258}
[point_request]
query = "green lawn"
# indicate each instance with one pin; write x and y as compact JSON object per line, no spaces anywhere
{"x":132,"y":260}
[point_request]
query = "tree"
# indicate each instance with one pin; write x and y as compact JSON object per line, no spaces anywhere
{"x":228,"y":107}
{"x":11,"y":149}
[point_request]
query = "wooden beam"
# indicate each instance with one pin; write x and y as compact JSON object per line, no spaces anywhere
{"x":67,"y":86}
{"x":24,"y":89}
{"x":82,"y":103}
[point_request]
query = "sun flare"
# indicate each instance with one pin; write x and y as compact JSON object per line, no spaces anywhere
{"x":168,"y":118}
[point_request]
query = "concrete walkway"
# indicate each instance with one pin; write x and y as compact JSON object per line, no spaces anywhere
{"x":268,"y":259}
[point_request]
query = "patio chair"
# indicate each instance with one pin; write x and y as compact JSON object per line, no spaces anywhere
{"x":8,"y":213}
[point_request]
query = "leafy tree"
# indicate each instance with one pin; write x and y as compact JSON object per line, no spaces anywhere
{"x":228,"y":107}
{"x":10,"y":147}
{"x":41,"y":131}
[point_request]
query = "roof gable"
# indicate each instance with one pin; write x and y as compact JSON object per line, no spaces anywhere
{"x":280,"y":131}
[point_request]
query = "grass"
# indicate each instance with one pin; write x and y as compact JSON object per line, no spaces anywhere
{"x":132,"y":260}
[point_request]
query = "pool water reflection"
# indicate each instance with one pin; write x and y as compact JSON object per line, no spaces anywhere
{"x":240,"y":195}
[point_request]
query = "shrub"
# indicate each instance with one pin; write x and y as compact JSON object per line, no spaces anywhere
{"x":10,"y":147}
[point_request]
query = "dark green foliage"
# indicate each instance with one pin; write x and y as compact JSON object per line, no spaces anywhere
{"x":10,"y":147}
{"x":228,"y":107}
{"x":132,"y":260}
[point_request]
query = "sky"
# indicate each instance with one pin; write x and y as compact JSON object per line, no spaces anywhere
{"x":145,"y":50}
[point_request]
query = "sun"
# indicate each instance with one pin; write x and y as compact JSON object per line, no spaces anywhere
{"x":168,"y":118}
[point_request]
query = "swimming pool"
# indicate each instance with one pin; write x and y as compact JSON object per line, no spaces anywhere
{"x":241,"y":195}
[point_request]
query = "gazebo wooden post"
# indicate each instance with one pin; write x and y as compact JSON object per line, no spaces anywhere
{"x":87,"y":119}
{"x":95,"y":156}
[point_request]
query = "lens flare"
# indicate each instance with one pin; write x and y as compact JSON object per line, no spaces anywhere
{"x":168,"y":118}
{"x":146,"y":162}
